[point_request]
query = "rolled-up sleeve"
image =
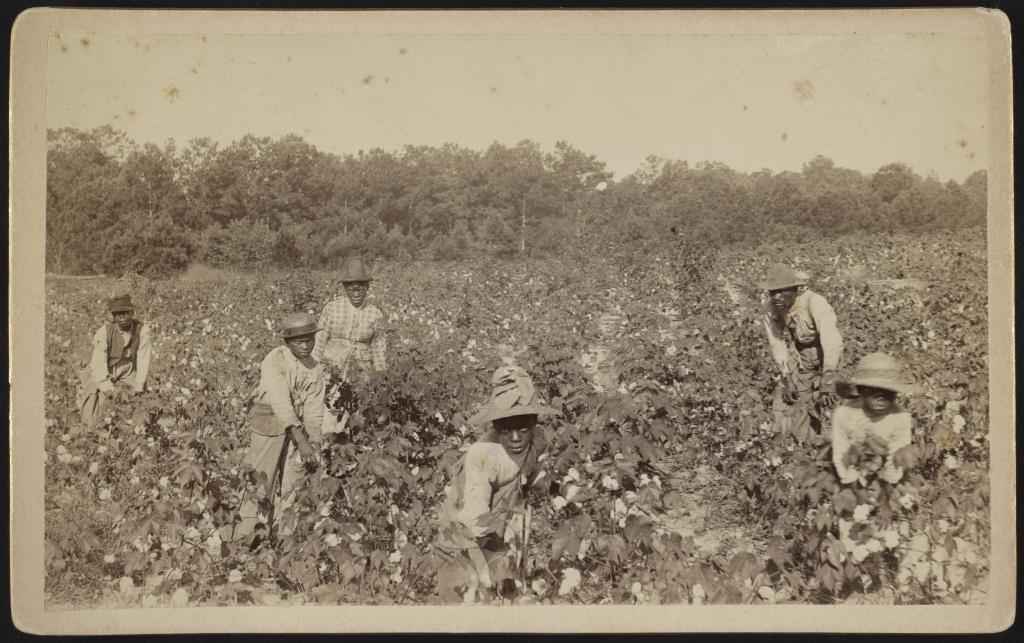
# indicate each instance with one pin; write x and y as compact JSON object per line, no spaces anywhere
{"x":143,"y":357}
{"x":828,"y":333}
{"x":840,"y":447}
{"x":378,"y":345}
{"x":324,"y":324}
{"x":901,"y":436}
{"x":98,"y":361}
{"x":313,"y":409}
{"x":777,"y":343}
{"x":274,"y":382}
{"x":480,"y":472}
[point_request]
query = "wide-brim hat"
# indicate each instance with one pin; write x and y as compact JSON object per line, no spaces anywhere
{"x":120,"y":304}
{"x":354,"y":270}
{"x":781,"y":276}
{"x":878,"y":370}
{"x":298,"y":325}
{"x":512,"y":394}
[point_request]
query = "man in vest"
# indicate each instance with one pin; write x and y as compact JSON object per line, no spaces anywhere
{"x":805,"y":343}
{"x":119,"y":365}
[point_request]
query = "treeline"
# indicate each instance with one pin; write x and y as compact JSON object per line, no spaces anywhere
{"x":115,"y":207}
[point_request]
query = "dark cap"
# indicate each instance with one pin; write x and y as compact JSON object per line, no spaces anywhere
{"x":120,"y":304}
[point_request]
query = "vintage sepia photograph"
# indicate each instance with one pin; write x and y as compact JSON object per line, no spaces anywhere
{"x":570,"y":314}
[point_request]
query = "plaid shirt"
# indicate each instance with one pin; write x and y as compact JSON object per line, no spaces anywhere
{"x":348,"y":332}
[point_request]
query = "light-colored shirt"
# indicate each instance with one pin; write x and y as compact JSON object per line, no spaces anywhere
{"x":349,"y":332}
{"x":809,"y":322}
{"x":489,"y":474}
{"x":294,"y":391}
{"x":851,"y":425}
{"x":139,"y":368}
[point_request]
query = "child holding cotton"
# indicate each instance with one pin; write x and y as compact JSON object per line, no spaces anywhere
{"x":869,"y":427}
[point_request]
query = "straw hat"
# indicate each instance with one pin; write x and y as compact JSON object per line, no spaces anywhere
{"x":878,"y":370}
{"x":354,"y":270}
{"x":512,"y":393}
{"x":298,"y":325}
{"x":781,"y":276}
{"x":120,"y":304}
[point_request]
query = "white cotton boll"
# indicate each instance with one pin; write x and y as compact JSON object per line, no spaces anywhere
{"x":959,"y":423}
{"x":698,"y":594}
{"x":235,"y":576}
{"x":331,"y":540}
{"x":951,"y":463}
{"x":213,"y":544}
{"x":105,"y":494}
{"x":891,"y":539}
{"x":860,"y":552}
{"x":558,"y":502}
{"x":609,"y":483}
{"x":570,"y":581}
{"x":395,"y":557}
{"x":93,"y":468}
{"x":874,"y":545}
{"x":861,"y":513}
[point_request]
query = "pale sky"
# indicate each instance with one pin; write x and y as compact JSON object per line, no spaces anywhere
{"x":749,"y":101}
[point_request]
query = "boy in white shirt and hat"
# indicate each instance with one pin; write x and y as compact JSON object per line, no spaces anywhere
{"x":869,"y":428}
{"x":484,"y":523}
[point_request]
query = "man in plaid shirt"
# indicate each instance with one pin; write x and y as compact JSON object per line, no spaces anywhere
{"x":351,"y":328}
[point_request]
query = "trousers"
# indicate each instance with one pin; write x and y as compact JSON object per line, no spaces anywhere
{"x":278,"y":458}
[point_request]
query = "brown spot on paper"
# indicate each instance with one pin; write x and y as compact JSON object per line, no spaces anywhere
{"x":785,"y":136}
{"x":962,"y":142}
{"x":367,"y":79}
{"x":85,"y":42}
{"x":172,"y":93}
{"x":493,"y":89}
{"x":402,"y":51}
{"x":804,"y":89}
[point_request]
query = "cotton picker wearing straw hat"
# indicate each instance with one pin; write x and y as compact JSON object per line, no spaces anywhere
{"x":284,"y":422}
{"x":871,"y":420}
{"x":484,"y":525}
{"x":805,"y":343}
{"x":353,"y":329}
